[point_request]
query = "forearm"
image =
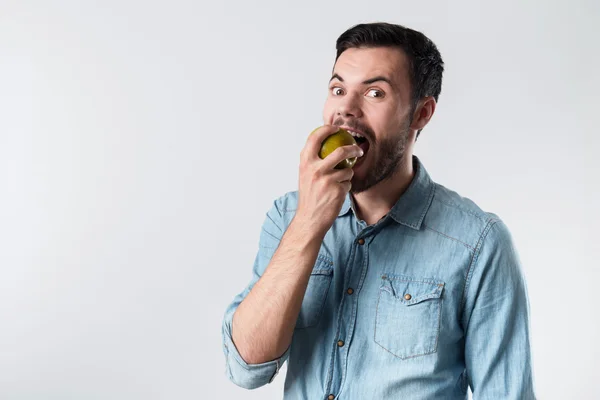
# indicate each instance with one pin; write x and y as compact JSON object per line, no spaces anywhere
{"x":263,"y":324}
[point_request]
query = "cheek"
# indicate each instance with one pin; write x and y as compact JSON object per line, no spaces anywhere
{"x":389,"y":119}
{"x":328,"y":112}
{"x":381,"y":114}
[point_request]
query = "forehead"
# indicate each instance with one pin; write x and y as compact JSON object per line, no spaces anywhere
{"x":364,"y":63}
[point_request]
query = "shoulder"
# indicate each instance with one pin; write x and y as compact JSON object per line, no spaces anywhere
{"x":282,"y":210}
{"x":287,"y":202}
{"x":459,"y":217}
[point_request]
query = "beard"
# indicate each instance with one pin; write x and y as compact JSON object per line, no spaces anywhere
{"x":388,"y":154}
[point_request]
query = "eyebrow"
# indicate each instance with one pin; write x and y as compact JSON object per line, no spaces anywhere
{"x":379,"y":78}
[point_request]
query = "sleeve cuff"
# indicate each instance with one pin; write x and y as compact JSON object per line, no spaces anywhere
{"x":249,"y":376}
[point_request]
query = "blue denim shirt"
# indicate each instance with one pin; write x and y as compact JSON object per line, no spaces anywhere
{"x":424,"y":303}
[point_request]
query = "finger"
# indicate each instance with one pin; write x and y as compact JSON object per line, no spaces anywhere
{"x":341,"y":175}
{"x":346,"y":185}
{"x":316,"y":138}
{"x":339,"y":154}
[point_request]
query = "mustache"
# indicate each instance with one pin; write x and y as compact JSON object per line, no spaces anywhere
{"x":355,"y":125}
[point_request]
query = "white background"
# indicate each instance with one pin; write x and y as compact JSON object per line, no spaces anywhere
{"x":141,"y":144}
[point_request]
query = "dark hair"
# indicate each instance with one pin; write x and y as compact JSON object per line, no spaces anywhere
{"x":425,"y":62}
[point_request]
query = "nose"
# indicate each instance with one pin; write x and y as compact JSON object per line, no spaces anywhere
{"x":349,"y":106}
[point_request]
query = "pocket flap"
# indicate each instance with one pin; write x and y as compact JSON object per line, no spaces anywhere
{"x":410,"y":290}
{"x":323,"y":266}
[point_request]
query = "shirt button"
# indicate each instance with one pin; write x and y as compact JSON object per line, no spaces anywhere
{"x":340,"y":343}
{"x":361,"y":241}
{"x":407,"y":296}
{"x":350,"y":291}
{"x":330,"y":397}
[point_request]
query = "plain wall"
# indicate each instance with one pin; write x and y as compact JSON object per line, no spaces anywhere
{"x":141,"y":144}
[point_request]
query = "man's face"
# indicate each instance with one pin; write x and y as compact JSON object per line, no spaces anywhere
{"x":370,"y":93}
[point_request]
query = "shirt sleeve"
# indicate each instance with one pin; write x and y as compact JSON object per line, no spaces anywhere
{"x":496,"y":320}
{"x":252,"y":376}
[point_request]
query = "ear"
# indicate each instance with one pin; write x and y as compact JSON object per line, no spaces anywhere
{"x":423,"y":113}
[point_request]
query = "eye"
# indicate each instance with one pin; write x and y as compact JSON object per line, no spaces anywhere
{"x":337,"y":91}
{"x":375,"y":93}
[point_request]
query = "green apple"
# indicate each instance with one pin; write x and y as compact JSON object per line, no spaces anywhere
{"x":340,"y":138}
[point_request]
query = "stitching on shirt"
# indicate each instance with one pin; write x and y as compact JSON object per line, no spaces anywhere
{"x":326,"y":271}
{"x":329,"y":380}
{"x":324,"y":258}
{"x":437,"y":293}
{"x":437,"y":336}
{"x":322,"y":271}
{"x":474,"y":257}
{"x":351,"y":256}
{"x":409,"y":279}
{"x":449,"y":237}
{"x":460,"y":208}
{"x":429,"y":199}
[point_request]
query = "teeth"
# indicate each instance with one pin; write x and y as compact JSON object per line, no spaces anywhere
{"x":356,"y":134}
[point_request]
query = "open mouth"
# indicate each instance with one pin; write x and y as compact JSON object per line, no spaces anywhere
{"x":361,"y":141}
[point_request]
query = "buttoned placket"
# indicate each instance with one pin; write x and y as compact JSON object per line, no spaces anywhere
{"x":348,"y":308}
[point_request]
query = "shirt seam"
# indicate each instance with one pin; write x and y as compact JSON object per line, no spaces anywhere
{"x":450,"y":237}
{"x":474,"y":259}
{"x":458,"y":207}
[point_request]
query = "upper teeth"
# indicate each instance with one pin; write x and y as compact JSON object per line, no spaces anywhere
{"x":355,"y":134}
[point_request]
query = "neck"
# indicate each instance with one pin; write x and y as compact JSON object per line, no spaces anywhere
{"x":374,"y":203}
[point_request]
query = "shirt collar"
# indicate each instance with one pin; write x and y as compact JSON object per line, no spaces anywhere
{"x":411,"y":207}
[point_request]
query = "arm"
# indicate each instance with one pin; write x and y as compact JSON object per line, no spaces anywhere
{"x":259,"y":324}
{"x":496,"y":320}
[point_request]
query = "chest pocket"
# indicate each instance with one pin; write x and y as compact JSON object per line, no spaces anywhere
{"x":316,"y":293}
{"x":407,"y":320}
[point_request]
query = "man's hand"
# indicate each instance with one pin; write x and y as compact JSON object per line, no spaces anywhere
{"x":321,"y":187}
